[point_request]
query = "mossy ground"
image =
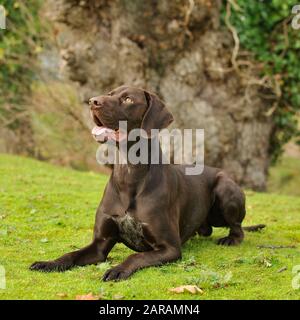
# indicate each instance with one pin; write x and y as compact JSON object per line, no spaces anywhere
{"x":47,"y":211}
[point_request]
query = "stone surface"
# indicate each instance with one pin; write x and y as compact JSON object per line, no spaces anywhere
{"x":179,"y":50}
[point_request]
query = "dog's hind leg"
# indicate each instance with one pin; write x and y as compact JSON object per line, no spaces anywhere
{"x":231,"y":207}
{"x":205,"y":229}
{"x":233,"y":217}
{"x":236,"y":235}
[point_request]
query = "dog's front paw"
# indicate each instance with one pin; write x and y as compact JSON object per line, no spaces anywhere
{"x":229,"y":241}
{"x":49,"y":266}
{"x":117,"y":273}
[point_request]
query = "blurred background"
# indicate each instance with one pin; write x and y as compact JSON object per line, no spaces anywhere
{"x":230,"y":67}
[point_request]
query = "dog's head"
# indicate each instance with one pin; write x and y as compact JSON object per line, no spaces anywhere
{"x":140,"y":108}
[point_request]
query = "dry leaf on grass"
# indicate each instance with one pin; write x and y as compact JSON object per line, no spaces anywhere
{"x":188,"y":288}
{"x":62,"y":295}
{"x":118,"y":297}
{"x":267,"y":263}
{"x":88,"y":296}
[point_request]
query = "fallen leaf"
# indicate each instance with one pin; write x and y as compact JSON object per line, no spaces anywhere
{"x":187,"y":288}
{"x":88,"y":296}
{"x":267,"y":263}
{"x":44,"y":240}
{"x":62,"y":295}
{"x":118,"y":297}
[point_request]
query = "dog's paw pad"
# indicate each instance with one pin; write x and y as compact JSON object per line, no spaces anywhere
{"x":228,"y":241}
{"x":48,"y":266}
{"x":116,"y":274}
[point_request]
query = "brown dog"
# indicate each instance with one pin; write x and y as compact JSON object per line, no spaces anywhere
{"x":152,"y":208}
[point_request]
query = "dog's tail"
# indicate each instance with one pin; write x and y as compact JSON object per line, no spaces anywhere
{"x":255,"y":228}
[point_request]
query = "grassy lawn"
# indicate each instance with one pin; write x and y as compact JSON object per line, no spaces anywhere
{"x":47,"y":211}
{"x":285,"y":176}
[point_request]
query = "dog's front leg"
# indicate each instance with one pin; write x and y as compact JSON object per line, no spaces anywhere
{"x":105,"y":237}
{"x":95,"y":252}
{"x":142,"y":260}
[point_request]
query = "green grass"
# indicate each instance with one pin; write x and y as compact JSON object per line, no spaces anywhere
{"x":47,"y":211}
{"x":284,"y":177}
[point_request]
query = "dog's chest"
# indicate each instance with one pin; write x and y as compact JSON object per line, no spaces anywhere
{"x":131,"y":232}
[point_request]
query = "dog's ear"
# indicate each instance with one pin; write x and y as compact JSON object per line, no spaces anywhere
{"x":157,"y":116}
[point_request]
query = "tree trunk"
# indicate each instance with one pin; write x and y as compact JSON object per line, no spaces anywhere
{"x":179,"y":50}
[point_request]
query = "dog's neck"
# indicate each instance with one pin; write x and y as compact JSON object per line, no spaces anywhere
{"x":134,"y":174}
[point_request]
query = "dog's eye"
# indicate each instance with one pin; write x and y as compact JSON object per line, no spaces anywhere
{"x":128,"y":100}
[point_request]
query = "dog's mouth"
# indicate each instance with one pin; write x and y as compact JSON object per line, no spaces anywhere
{"x":102,"y":133}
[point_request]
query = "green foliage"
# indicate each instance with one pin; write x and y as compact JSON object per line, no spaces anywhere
{"x":20,"y":43}
{"x":44,"y":213}
{"x":264,"y":28}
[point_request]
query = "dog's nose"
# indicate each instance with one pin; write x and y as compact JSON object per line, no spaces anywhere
{"x":95,"y":102}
